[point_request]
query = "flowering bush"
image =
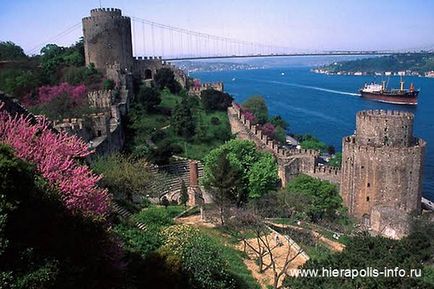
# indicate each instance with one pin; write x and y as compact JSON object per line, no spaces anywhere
{"x":268,"y":129}
{"x":249,"y":116}
{"x":55,"y":156}
{"x":47,"y":93}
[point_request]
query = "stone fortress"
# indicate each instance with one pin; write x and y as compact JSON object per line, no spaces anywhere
{"x":380,"y":179}
{"x":108,"y":46}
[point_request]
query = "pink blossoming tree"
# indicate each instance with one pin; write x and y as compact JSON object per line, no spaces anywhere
{"x":55,"y":156}
{"x":46,"y":94}
{"x":268,"y":129}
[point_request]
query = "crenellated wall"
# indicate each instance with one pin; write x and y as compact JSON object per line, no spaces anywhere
{"x":291,"y":162}
{"x":196,"y":90}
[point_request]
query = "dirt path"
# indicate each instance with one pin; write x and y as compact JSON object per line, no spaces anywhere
{"x":279,"y":254}
{"x":331,"y":244}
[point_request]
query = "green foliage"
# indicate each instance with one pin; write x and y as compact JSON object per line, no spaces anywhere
{"x":17,"y":82}
{"x":215,"y":100}
{"x":166,"y":78}
{"x":280,"y":135}
{"x":124,"y":176}
{"x":182,"y":119}
{"x":311,"y":142}
{"x":364,"y":251}
{"x":336,"y":160}
{"x":257,"y":171}
{"x":108,"y":84}
{"x":87,"y":75}
{"x":148,"y":98}
{"x":41,"y":244}
{"x":278,"y":121}
{"x":200,"y":257}
{"x":315,"y":198}
{"x":419,"y":62}
{"x":54,"y":57}
{"x":11,"y":51}
{"x":262,"y":176}
{"x":142,"y":242}
{"x":257,"y":105}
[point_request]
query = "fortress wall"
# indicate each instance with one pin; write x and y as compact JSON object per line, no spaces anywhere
{"x":327,"y":173}
{"x":100,"y":99}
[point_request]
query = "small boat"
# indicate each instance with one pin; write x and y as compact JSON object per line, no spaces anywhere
{"x":233,"y":79}
{"x":283,"y":73}
{"x":380,"y":92}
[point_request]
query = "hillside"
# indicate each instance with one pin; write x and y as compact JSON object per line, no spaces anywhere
{"x":411,"y":63}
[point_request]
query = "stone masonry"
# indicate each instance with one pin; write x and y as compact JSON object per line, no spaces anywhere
{"x":382,"y":168}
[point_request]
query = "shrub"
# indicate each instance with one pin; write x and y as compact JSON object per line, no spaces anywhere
{"x":215,"y":100}
{"x":199,"y":256}
{"x":55,"y":157}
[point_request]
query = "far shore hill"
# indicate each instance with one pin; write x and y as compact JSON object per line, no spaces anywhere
{"x":401,"y":64}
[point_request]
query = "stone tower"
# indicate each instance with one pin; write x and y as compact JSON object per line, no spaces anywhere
{"x":107,"y":39}
{"x":381,"y":179}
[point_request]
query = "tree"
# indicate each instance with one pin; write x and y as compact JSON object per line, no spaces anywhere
{"x":315,"y":198}
{"x":364,"y":251}
{"x":182,"y":119}
{"x":265,"y":247}
{"x":223,"y":181}
{"x":278,"y":121}
{"x":244,"y":157}
{"x":43,"y":245}
{"x":11,"y":51}
{"x":215,"y":100}
{"x":262,"y":176}
{"x":166,"y":78}
{"x":257,"y":105}
{"x":56,"y":158}
{"x":183,"y":198}
{"x":148,"y":98}
{"x":124,"y":176}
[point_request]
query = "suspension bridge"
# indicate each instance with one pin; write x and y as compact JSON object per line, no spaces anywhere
{"x":173,"y":43}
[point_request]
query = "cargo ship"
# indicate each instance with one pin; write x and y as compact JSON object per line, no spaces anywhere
{"x":380,"y":92}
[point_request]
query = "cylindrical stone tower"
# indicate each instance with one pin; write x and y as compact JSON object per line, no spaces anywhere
{"x":382,"y":165}
{"x":107,"y":38}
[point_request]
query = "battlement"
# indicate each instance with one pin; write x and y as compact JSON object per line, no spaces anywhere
{"x":105,"y":12}
{"x":327,"y":170}
{"x":385,"y":113}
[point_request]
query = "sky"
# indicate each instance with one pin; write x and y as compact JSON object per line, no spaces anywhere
{"x":306,"y":25}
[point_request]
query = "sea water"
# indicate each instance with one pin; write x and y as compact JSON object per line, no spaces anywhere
{"x":325,"y":105}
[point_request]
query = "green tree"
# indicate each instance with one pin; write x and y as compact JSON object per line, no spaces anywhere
{"x":278,"y":121}
{"x":148,"y":98}
{"x":262,"y":176}
{"x":183,"y":198}
{"x":364,"y":251}
{"x":11,"y":51}
{"x":223,"y":183}
{"x":182,"y":119}
{"x":166,"y":78}
{"x":124,"y":177}
{"x":215,"y":100}
{"x":257,"y":105}
{"x":243,"y":157}
{"x":315,"y":198}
